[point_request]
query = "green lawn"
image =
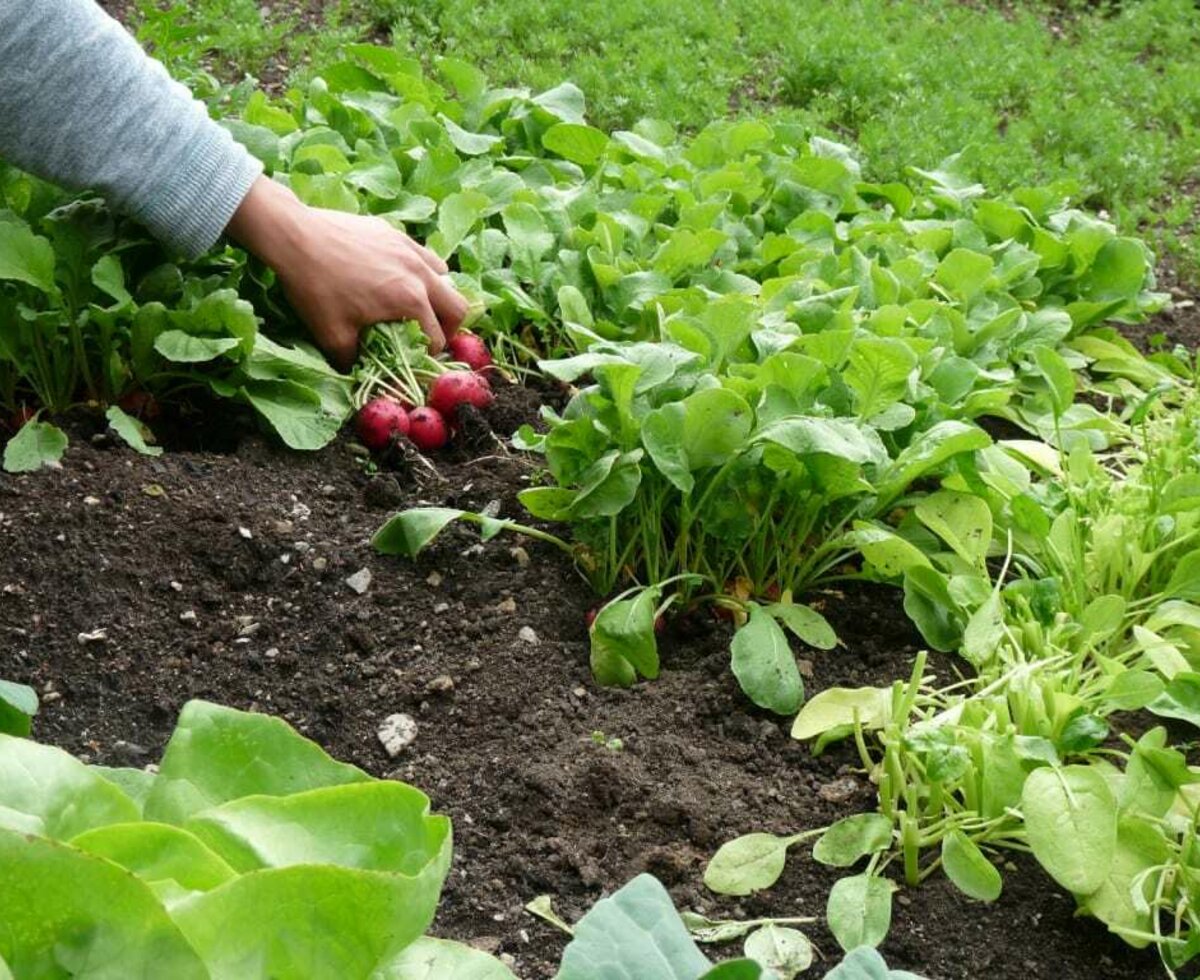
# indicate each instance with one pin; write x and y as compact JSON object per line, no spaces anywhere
{"x":1108,"y":100}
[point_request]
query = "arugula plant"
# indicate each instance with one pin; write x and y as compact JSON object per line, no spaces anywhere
{"x":1092,"y":614}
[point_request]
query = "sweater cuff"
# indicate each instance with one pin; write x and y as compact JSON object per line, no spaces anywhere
{"x":190,"y":213}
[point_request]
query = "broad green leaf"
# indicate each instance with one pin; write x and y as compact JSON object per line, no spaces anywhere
{"x":786,"y":952}
{"x":891,"y":554}
{"x":964,"y":274}
{"x":109,"y":278}
{"x":440,"y":959}
{"x":962,"y":520}
{"x":217,"y":754}
{"x":852,"y":838}
{"x":469,"y":144}
{"x":1141,"y":846}
{"x":835,"y":437}
{"x":307,"y":921}
{"x":705,"y":429}
{"x":1180,"y":699}
{"x":132,"y":431}
{"x":1071,"y":823}
{"x":970,"y":870}
{"x":871,"y":706}
{"x":878,"y":373}
{"x":623,"y":642}
{"x":134,"y":783}
{"x":1132,"y":690}
{"x":67,"y":913}
{"x":18,"y":705}
{"x":635,"y":932}
{"x":942,"y":442}
{"x":859,"y":910}
{"x":575,"y":142}
{"x":185,"y":348}
{"x":158,"y":852}
{"x":931,"y":607}
{"x":26,"y":257}
{"x":1059,"y":377}
{"x":764,"y":665}
{"x":457,"y":216}
{"x":297,"y":412}
{"x":373,"y":826}
{"x":37,"y":444}
{"x":747,"y":864}
{"x":1185,"y":579}
{"x":411,"y":530}
{"x":46,"y":791}
{"x":984,"y":632}
{"x":806,"y":623}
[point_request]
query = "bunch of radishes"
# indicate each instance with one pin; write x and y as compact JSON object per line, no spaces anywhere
{"x":405,"y":391}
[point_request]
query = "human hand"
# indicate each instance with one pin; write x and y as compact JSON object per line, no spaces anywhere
{"x":344,"y":272}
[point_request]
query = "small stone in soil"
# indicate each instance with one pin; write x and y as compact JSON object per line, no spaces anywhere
{"x":188,"y":617}
{"x":441,"y":684}
{"x":360,"y":581}
{"x":527,"y":635}
{"x":508,"y":605}
{"x":95,"y":636}
{"x":245,"y":533}
{"x":433,"y":579}
{"x":521,"y":555}
{"x":397,"y":732}
{"x":838,"y":791}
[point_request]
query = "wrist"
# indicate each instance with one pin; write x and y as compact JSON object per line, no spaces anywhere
{"x":269,"y":223}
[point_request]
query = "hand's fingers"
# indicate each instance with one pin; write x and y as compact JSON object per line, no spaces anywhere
{"x":430,"y":258}
{"x":429,"y":323}
{"x":341,"y":344}
{"x":447,"y":302}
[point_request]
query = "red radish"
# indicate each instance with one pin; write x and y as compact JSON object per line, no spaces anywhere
{"x":589,"y":617}
{"x":21,"y":416}
{"x":455,"y":388}
{"x":472,"y":351}
{"x":379,"y":420}
{"x":427,"y":429}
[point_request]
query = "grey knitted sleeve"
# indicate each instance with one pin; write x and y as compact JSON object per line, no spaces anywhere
{"x":82,"y":105}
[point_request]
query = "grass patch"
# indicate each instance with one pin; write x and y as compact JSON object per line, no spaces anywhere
{"x":1103,"y":99}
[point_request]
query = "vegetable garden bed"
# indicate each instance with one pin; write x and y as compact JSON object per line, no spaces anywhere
{"x":894,"y":534}
{"x":132,"y":546}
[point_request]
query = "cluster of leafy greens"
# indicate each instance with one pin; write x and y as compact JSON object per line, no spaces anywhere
{"x":767,"y":349}
{"x":1096,"y":612}
{"x":251,"y":853}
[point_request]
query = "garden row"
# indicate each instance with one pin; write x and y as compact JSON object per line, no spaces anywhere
{"x":780,"y":377}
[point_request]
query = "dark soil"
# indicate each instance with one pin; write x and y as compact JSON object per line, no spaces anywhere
{"x":222,"y":576}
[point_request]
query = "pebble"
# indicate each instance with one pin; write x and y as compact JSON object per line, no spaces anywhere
{"x":521,"y":555}
{"x":397,"y":732}
{"x":245,"y":533}
{"x":441,"y":607}
{"x":442,"y":684}
{"x":433,"y":579}
{"x":95,"y":636}
{"x":508,"y":605}
{"x":188,"y":617}
{"x":838,"y":791}
{"x":320,"y":563}
{"x":91,"y":501}
{"x":527,"y":635}
{"x":360,"y":581}
{"x":176,"y":586}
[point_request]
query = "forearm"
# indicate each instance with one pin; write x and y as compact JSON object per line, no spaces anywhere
{"x":82,"y":105}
